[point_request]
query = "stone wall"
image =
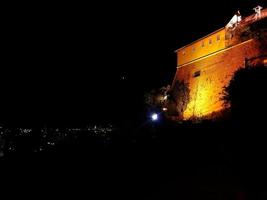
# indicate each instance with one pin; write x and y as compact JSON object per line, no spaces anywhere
{"x":208,"y":76}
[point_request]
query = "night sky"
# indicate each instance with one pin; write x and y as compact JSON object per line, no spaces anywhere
{"x":67,"y":63}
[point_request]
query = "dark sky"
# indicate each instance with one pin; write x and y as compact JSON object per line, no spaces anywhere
{"x":69,"y":62}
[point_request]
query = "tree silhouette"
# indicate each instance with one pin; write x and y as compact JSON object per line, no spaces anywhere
{"x":246,"y":94}
{"x":156,"y":98}
{"x":178,"y":98}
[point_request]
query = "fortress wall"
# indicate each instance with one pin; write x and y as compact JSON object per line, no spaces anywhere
{"x":216,"y":71}
{"x":202,"y":47}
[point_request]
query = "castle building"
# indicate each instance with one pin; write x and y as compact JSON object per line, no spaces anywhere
{"x":208,"y":64}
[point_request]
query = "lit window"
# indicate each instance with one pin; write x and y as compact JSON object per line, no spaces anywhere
{"x":218,"y":37}
{"x":210,"y":41}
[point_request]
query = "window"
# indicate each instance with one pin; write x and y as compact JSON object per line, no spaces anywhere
{"x":203,"y":44}
{"x":228,"y":36}
{"x":218,"y":37}
{"x":210,"y":41}
{"x":196,"y":74}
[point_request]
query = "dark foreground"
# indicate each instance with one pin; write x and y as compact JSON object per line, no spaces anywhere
{"x":163,"y":161}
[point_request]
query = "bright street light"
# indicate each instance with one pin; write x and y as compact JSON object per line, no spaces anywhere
{"x":154,"y":116}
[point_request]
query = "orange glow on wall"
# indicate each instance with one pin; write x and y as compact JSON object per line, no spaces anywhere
{"x":202,"y":47}
{"x":209,"y":64}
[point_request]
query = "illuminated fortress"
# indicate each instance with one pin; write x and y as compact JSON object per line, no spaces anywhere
{"x":208,"y":64}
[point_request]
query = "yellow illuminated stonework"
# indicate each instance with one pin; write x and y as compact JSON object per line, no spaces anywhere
{"x":208,"y":64}
{"x":203,"y":47}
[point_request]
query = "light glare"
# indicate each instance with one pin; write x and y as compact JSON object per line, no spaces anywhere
{"x":154,"y":117}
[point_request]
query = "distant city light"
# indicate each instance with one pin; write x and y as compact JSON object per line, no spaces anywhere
{"x":154,"y":116}
{"x":50,"y":136}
